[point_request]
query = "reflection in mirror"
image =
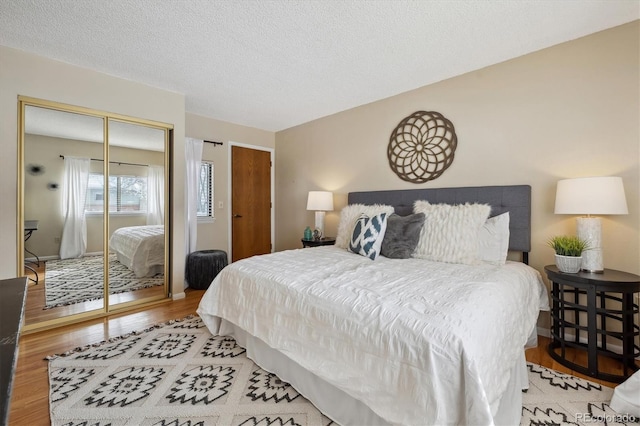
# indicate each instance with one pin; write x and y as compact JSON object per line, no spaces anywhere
{"x":136,"y":212}
{"x":64,"y":242}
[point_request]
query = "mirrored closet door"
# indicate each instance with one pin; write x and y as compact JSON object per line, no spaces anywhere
{"x":136,"y":212}
{"x":93,"y":200}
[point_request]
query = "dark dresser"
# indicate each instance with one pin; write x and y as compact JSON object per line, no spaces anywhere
{"x":12,"y":298}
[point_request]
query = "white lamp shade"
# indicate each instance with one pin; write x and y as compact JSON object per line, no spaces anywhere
{"x":320,"y":201}
{"x":591,"y":195}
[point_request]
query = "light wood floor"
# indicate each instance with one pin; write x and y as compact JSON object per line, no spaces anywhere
{"x":30,"y":405}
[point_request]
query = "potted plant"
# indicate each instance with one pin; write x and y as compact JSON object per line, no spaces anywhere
{"x":568,"y":252}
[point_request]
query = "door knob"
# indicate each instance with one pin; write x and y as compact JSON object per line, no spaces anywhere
{"x":237,"y":215}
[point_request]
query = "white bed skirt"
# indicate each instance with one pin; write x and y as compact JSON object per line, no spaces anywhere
{"x":342,"y":408}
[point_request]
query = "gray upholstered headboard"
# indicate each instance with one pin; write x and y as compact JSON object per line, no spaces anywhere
{"x":516,"y":199}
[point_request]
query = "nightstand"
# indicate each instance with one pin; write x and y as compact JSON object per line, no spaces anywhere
{"x":328,"y":241}
{"x":585,"y":306}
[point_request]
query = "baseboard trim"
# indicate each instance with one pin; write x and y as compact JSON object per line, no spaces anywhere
{"x":178,"y":296}
{"x":42,"y":259}
{"x":57,"y":257}
{"x":545,"y":332}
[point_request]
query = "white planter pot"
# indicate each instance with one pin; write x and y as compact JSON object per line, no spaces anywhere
{"x":568,"y":264}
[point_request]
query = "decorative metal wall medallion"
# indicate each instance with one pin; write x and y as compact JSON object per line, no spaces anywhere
{"x":422,"y":146}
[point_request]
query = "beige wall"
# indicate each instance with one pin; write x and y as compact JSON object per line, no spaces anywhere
{"x":215,"y":235}
{"x":568,"y":111}
{"x":34,"y":76}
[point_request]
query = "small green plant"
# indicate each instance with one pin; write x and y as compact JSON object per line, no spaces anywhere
{"x":566,"y":245}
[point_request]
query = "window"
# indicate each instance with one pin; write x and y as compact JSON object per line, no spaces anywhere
{"x":127,"y":194}
{"x":205,"y":191}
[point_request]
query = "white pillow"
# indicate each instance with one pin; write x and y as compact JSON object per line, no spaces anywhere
{"x":450,"y":232}
{"x":367,"y":235}
{"x":493,"y":242}
{"x":350,"y":214}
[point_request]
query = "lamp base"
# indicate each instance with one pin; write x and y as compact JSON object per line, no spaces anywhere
{"x":592,"y":272}
{"x":319,"y":231}
{"x":590,"y":230}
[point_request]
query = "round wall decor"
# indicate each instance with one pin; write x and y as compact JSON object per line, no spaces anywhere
{"x":35,"y":169}
{"x":422,"y":146}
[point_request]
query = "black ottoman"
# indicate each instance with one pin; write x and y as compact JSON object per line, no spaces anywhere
{"x":203,"y":266}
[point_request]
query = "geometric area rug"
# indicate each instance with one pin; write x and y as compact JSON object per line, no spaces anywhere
{"x":172,"y":374}
{"x":178,"y":373}
{"x":556,"y":398}
{"x":79,"y":280}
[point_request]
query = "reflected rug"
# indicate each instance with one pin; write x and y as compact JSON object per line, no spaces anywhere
{"x":72,"y":281}
{"x":178,"y":373}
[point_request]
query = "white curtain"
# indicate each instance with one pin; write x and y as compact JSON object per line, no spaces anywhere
{"x":155,"y":195}
{"x":74,"y":234}
{"x":193,"y":156}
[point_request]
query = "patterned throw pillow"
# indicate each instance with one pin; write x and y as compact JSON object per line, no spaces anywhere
{"x":350,"y":214}
{"x":368,"y":234}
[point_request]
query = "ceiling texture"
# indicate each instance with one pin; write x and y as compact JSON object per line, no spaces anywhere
{"x":280,"y":63}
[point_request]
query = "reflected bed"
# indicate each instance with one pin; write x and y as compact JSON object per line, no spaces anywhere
{"x":140,"y":248}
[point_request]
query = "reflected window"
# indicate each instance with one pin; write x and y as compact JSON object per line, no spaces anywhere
{"x":127,"y":194}
{"x":205,"y":190}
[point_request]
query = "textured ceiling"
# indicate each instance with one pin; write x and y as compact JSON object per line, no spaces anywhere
{"x":276,"y":64}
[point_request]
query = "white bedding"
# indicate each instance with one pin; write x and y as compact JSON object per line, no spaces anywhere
{"x":140,"y":248}
{"x":419,"y":342}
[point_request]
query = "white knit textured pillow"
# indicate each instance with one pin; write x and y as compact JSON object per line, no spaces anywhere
{"x":350,"y":214}
{"x":451,"y":232}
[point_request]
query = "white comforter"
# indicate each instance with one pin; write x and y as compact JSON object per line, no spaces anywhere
{"x":139,"y":248}
{"x":419,"y":342}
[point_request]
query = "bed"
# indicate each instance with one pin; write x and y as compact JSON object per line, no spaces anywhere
{"x":391,"y":341}
{"x":140,"y":248}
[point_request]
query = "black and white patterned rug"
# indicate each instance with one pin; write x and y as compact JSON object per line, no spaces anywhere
{"x":72,"y":281}
{"x":179,"y":374}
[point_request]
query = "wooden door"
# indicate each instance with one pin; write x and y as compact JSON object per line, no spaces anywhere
{"x":250,"y":202}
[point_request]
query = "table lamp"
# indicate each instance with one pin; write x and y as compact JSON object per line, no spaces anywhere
{"x":591,"y":196}
{"x":321,"y":202}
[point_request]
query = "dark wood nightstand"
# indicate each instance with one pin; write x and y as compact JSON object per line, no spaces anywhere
{"x":586,"y":305}
{"x":328,"y":241}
